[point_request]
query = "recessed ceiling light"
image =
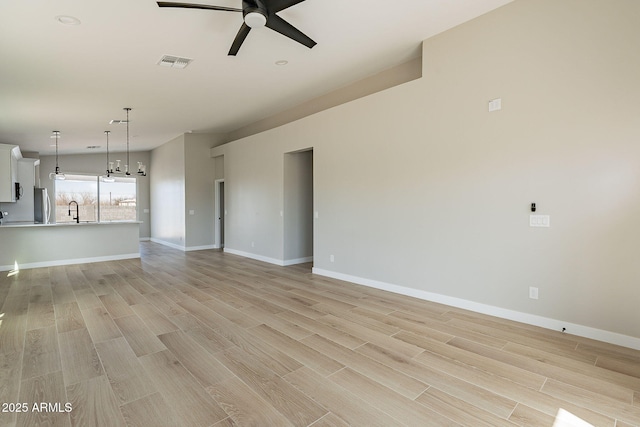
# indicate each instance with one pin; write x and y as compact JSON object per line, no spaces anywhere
{"x":117,"y":122}
{"x":282,"y":62}
{"x":67,"y":20}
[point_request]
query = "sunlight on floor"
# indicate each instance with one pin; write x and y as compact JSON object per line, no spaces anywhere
{"x":15,"y":270}
{"x":567,"y":419}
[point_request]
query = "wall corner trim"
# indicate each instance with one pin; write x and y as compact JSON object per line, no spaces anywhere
{"x":530,"y":319}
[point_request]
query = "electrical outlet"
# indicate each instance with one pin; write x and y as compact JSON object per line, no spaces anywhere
{"x":332,"y":258}
{"x":495,"y":105}
{"x":253,"y":244}
{"x":533,"y":292}
{"x":539,"y":221}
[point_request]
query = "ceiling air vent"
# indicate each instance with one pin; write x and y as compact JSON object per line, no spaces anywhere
{"x":174,"y":61}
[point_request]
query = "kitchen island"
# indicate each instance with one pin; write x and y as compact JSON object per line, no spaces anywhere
{"x":42,"y":245}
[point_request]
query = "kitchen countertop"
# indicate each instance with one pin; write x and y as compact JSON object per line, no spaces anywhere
{"x":63,"y":224}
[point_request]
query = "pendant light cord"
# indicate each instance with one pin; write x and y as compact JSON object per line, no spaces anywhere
{"x":107,"y":133}
{"x":128,"y":164}
{"x":57,"y":132}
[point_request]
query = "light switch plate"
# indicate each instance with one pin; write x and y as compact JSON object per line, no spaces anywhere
{"x":495,"y":104}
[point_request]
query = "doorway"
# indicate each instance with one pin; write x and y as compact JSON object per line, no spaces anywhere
{"x":298,"y":207}
{"x":219,"y":213}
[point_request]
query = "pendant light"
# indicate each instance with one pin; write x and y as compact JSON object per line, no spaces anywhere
{"x":142,"y":169}
{"x":107,"y":177}
{"x":57,"y":175}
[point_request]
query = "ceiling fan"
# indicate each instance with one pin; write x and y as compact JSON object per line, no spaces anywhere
{"x":256,"y":13}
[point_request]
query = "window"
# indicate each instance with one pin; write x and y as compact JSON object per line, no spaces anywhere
{"x":118,"y":200}
{"x":97,"y":200}
{"x":81,"y":189}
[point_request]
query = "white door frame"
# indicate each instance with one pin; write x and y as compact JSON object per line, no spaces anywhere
{"x":218,"y":214}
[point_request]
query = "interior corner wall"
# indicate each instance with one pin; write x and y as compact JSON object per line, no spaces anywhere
{"x":199,"y":195}
{"x":420,"y":187}
{"x":167,"y":178}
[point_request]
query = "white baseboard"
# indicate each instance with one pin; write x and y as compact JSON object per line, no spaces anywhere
{"x":57,"y":263}
{"x":531,"y":319}
{"x":255,"y":256}
{"x":182,"y":248}
{"x":169,"y":244}
{"x":282,"y":263}
{"x":145,"y":239}
{"x":287,"y":262}
{"x":200,"y":248}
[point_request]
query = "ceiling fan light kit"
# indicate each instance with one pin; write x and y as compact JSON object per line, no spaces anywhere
{"x":255,"y":13}
{"x":255,"y":19}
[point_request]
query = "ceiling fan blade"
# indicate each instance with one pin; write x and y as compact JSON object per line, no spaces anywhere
{"x":283,"y":27}
{"x":197,"y":6}
{"x":237,"y":42}
{"x":277,"y":5}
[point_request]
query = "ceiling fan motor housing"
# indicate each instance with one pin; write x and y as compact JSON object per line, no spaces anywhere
{"x":254,"y":13}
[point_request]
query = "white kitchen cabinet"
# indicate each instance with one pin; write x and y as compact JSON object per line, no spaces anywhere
{"x":9,"y":156}
{"x":23,"y":209}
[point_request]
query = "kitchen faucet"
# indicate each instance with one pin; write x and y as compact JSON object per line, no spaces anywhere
{"x":77,"y":217}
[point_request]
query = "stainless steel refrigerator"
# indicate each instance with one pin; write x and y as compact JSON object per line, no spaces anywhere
{"x":41,"y":206}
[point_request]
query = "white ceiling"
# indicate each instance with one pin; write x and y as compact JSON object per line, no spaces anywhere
{"x":77,"y":78}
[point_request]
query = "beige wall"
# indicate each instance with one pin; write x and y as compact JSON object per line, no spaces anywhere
{"x":219,"y":167}
{"x":385,"y":79}
{"x":421,"y":188}
{"x":199,"y":197}
{"x":168,"y":193}
{"x":184,"y":183}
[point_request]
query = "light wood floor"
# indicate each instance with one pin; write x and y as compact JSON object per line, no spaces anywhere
{"x":211,"y":339}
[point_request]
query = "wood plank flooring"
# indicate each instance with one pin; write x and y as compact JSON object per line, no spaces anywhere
{"x":211,"y":339}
